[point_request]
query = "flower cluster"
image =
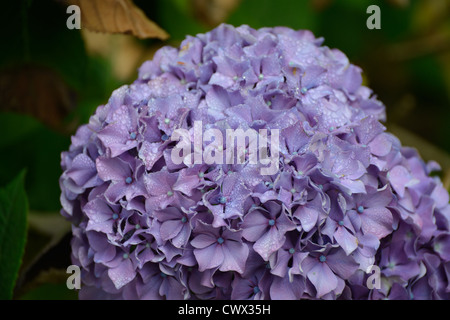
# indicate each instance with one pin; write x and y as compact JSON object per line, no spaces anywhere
{"x":347,"y":195}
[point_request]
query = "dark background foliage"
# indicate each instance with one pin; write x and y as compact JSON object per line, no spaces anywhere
{"x":52,"y":79}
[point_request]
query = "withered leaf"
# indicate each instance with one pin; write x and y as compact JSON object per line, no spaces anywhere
{"x":117,"y":16}
{"x":37,"y":91}
{"x":213,"y":12}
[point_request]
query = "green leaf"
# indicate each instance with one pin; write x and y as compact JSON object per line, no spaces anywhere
{"x":26,"y":143}
{"x":268,"y":13}
{"x":13,"y":227}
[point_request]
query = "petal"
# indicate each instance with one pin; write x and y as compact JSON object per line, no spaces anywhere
{"x":114,"y":136}
{"x":104,"y":227}
{"x":186,"y":183}
{"x":284,"y":289}
{"x":369,"y":245}
{"x":123,"y":274}
{"x":170,"y":229}
{"x":346,"y":240}
{"x":284,"y":224}
{"x":440,"y":195}
{"x":254,"y":226}
{"x":399,"y":177}
{"x":182,"y":237}
{"x":427,"y":218}
{"x":209,"y":257}
{"x":353,"y":186}
{"x":242,"y":289}
{"x":377,"y":221}
{"x":368,"y":129}
{"x":159,"y":183}
{"x":235,"y":256}
{"x":150,"y":153}
{"x":342,"y":265}
{"x":311,"y":76}
{"x":307,"y":216}
{"x":381,"y":145}
{"x":322,"y":278}
{"x":203,"y":240}
{"x":113,"y":169}
{"x":355,"y":219}
{"x":99,"y":211}
{"x":116,"y":191}
{"x":381,"y":198}
{"x":82,"y":169}
{"x":170,"y":213}
{"x":281,"y":264}
{"x":270,"y":242}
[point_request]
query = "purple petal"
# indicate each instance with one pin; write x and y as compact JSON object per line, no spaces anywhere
{"x":381,"y":198}
{"x":269,"y":242}
{"x":235,"y":256}
{"x":83,"y":170}
{"x":113,"y":169}
{"x":181,"y":239}
{"x":343,"y":265}
{"x":254,"y":226}
{"x":381,"y":145}
{"x":440,"y":195}
{"x":170,"y":229}
{"x":346,"y":240}
{"x":377,"y":221}
{"x":150,"y":153}
{"x":399,"y":177}
{"x":122,"y":274}
{"x":209,"y":257}
{"x":307,"y":216}
{"x":323,"y":279}
{"x":284,"y":289}
{"x":353,"y":186}
{"x":203,"y":240}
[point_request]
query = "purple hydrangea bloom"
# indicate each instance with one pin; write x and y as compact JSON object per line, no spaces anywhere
{"x":345,"y":197}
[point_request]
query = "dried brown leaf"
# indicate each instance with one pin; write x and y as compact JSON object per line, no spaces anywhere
{"x":37,"y":91}
{"x":213,"y":12}
{"x":117,"y":16}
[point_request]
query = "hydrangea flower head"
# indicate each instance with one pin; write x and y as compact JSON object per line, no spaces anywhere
{"x":346,"y":195}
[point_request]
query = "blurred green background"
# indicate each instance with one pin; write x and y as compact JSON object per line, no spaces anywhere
{"x":52,"y":79}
